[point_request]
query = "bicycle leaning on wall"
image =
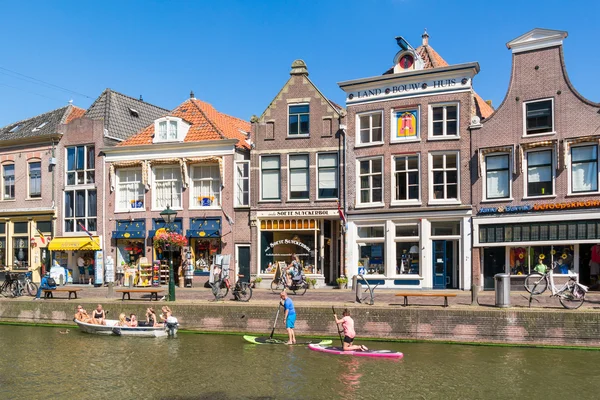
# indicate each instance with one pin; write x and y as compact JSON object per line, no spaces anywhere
{"x":571,"y":295}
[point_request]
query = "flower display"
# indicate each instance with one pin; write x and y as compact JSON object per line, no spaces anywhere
{"x":169,"y":239}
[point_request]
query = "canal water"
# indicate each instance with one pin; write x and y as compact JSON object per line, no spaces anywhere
{"x":43,"y":363}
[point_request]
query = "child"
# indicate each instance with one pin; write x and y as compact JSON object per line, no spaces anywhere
{"x":349,"y":334}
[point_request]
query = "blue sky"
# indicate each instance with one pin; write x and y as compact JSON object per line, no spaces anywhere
{"x":236,"y":55}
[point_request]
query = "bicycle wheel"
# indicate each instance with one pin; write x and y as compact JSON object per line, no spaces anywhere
{"x":572,"y":296}
{"x":277,"y":286}
{"x":16,"y":289}
{"x":222,"y":289}
{"x":31,"y":287}
{"x":536,"y":283}
{"x":302,"y":288}
{"x":245,"y":293}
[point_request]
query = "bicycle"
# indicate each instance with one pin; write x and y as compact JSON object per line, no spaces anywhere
{"x":571,"y":295}
{"x":299,"y":283}
{"x":29,"y":285}
{"x":6,"y":288}
{"x":242,"y":291}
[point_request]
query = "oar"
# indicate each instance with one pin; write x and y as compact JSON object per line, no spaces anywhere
{"x":275,"y":323}
{"x":337,"y":326}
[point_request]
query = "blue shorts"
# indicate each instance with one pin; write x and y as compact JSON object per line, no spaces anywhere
{"x":290,"y":321}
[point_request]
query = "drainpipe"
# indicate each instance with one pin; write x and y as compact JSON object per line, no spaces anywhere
{"x":344,"y":203}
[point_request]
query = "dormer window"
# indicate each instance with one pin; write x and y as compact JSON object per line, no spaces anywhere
{"x":170,"y":130}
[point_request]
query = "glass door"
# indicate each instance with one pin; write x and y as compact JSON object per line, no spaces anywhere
{"x":439,"y":264}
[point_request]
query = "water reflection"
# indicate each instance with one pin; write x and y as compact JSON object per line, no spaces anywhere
{"x":349,"y":377}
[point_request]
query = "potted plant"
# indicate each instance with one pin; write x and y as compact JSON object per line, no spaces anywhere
{"x":342,"y":281}
{"x":312,"y":282}
{"x":257,"y":281}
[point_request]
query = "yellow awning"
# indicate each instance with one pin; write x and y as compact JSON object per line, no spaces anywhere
{"x":74,"y":243}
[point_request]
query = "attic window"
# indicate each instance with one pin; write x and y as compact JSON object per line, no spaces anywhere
{"x":15,"y":128}
{"x":40,"y":126}
{"x":134,"y":113}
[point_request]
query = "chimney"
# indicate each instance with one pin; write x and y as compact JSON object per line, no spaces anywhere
{"x":425,"y":37}
{"x":299,"y":68}
{"x":192,"y":94}
{"x":141,"y":98}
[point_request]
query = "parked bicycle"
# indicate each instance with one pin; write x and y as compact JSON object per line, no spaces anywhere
{"x":29,"y":285}
{"x":571,"y":295}
{"x":6,"y":289}
{"x":298,"y":284}
{"x":242,"y":291}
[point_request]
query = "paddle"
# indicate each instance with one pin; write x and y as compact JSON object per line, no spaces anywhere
{"x":275,"y":323}
{"x":337,"y":326}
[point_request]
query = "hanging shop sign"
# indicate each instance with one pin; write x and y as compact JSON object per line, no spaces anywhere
{"x":540,"y":207}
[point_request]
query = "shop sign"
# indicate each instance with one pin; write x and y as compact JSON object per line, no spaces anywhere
{"x":299,"y":213}
{"x":136,"y":204}
{"x":505,"y":209}
{"x":540,"y":207}
{"x":287,"y":241}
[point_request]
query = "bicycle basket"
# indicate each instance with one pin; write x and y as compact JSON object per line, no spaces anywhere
{"x":13,"y":276}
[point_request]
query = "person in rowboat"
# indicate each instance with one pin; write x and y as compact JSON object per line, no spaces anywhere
{"x":99,"y":315}
{"x":349,"y":333}
{"x":290,"y":317}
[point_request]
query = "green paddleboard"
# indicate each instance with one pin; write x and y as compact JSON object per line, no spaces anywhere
{"x":268,"y":340}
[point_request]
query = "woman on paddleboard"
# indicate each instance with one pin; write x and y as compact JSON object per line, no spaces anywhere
{"x":290,"y":317}
{"x":349,"y":333}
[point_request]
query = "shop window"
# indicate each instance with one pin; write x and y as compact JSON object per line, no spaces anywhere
{"x":370,"y":127}
{"x":204,"y":250}
{"x":444,"y":121}
{"x":539,"y":173}
{"x":167,"y":187}
{"x":299,"y":182}
{"x":35,"y":179}
{"x":497,"y":176}
{"x":407,"y":249}
{"x":299,"y":118}
{"x":528,"y":259}
{"x":242,"y":183}
{"x":445,"y":228}
{"x":270,"y":178}
{"x":206,"y":186}
{"x":371,"y":249}
{"x":444,"y":176}
{"x":130,"y":190}
{"x":365,"y":232}
{"x":278,"y":246}
{"x":406,"y":178}
{"x":539,"y":118}
{"x":371,"y":181}
{"x":81,"y":165}
{"x":20,"y":252}
{"x":327,"y":176}
{"x":8,"y":178}
{"x":80,"y":210}
{"x":584,"y":169}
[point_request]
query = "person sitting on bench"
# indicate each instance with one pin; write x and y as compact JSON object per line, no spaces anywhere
{"x":47,"y":283}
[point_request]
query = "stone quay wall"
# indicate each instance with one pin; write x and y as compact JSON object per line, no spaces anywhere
{"x":506,"y":326}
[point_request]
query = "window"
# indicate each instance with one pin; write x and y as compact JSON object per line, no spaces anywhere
{"x":444,"y":170}
{"x":539,"y":117}
{"x":328,"y":176}
{"x":370,"y":128}
{"x":405,"y":125}
{"x":406,"y":178}
{"x":407,"y":249}
{"x":130,"y":190}
{"x":444,"y":120}
{"x":242,"y":196}
{"x":81,"y":165}
{"x":35,"y":179}
{"x":8,"y":175}
{"x":270,"y":178}
{"x":371,"y":181}
{"x":167,"y":187}
{"x":584,"y":169}
{"x":206,"y":186}
{"x":497,"y":176}
{"x":539,"y":173}
{"x":299,"y":120}
{"x":80,"y":209}
{"x":299,"y":177}
{"x":170,"y":129}
{"x":371,"y":244}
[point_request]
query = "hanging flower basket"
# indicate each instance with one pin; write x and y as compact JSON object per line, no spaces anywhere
{"x":169,"y":239}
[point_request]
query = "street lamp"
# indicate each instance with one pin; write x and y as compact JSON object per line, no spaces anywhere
{"x":168,"y":215}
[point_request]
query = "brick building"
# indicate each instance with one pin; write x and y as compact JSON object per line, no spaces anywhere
{"x":194,"y":160}
{"x":535,"y":183}
{"x":409,"y":192}
{"x":297,"y":163}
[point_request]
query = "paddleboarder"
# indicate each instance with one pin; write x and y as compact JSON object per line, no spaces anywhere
{"x":349,"y":333}
{"x":290,"y":317}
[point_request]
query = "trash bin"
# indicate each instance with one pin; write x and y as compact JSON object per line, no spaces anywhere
{"x":502,"y":286}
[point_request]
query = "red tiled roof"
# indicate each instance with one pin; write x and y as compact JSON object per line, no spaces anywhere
{"x":206,"y":123}
{"x":484,"y":109}
{"x":76,"y":112}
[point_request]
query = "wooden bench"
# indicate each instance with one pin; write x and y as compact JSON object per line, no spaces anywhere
{"x":153,"y":292}
{"x":406,"y":295}
{"x":48,"y":293}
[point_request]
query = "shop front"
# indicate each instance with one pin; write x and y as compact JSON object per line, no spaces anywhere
{"x":160,"y":255}
{"x":130,"y":241}
{"x":204,"y":238}
{"x":80,"y":257}
{"x":525,"y":241}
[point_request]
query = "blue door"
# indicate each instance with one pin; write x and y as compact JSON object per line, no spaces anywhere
{"x":439,"y":264}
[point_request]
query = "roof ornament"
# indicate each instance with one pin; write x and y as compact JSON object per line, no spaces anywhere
{"x":299,"y":68}
{"x":71,"y":102}
{"x":192,"y":94}
{"x":141,"y":98}
{"x":425,"y":37}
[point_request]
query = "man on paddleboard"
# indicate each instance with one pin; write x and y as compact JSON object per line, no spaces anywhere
{"x":290,"y":317}
{"x":349,"y":333}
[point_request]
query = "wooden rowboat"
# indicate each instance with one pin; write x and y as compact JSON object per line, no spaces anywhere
{"x":112,"y":328}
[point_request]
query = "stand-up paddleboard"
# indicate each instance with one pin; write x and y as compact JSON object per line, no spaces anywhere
{"x":367,"y":353}
{"x":268,"y":340}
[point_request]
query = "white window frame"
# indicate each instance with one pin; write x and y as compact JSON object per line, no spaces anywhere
{"x":337,"y":175}
{"x":236,"y":182}
{"x":374,"y":240}
{"x":85,"y":170}
{"x":358,"y":128}
{"x":408,"y":239}
{"x":526,"y":173}
{"x":433,"y":200}
{"x":297,"y":135}
{"x":444,"y":136}
{"x":394,"y":122}
{"x":193,"y":198}
{"x":87,"y":217}
{"x":289,"y":177}
{"x":29,"y":162}
{"x":394,"y":201}
{"x":155,"y":207}
{"x":569,"y":163}
{"x":484,"y":177}
{"x":552,"y":131}
{"x":260,"y":171}
{"x":359,"y":204}
{"x":182,"y":130}
{"x":4,"y":198}
{"x":117,"y":191}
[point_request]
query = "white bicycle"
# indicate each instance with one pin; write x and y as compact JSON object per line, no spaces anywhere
{"x":571,"y":295}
